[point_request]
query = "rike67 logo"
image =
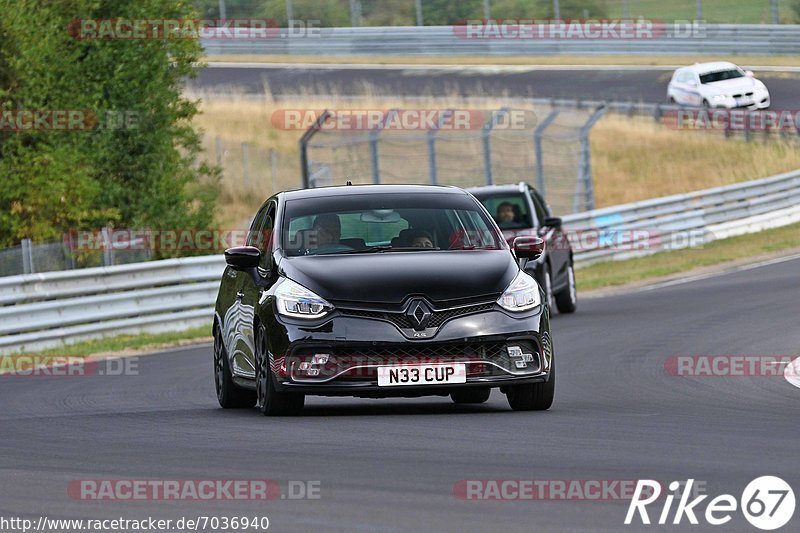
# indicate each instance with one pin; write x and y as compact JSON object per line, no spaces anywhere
{"x":767,"y":503}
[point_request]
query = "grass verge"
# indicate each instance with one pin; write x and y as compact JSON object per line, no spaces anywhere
{"x":744,"y":248}
{"x":128,"y":344}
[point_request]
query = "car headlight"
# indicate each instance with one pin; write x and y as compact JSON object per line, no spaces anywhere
{"x":521,"y":295}
{"x":296,"y":301}
{"x":719,"y":97}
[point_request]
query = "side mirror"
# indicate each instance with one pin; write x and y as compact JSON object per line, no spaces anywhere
{"x":529,"y":247}
{"x":553,"y":222}
{"x":749,"y":73}
{"x":242,"y":257}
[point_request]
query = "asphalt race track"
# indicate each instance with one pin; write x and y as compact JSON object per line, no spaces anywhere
{"x":629,"y":84}
{"x":391,"y":465}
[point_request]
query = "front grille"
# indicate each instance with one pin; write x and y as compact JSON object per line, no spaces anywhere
{"x":438,"y":318}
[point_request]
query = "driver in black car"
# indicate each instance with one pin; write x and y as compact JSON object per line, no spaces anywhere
{"x":328,"y":229}
{"x":505,"y":214}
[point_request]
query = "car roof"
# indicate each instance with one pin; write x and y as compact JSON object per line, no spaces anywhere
{"x":712,"y":66}
{"x":344,"y":190}
{"x":498,"y":189}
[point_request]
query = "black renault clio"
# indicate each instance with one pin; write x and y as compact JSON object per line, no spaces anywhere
{"x":378,"y":291}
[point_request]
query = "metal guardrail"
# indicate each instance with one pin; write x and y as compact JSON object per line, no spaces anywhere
{"x":683,"y":220}
{"x":39,"y":311}
{"x":705,"y":39}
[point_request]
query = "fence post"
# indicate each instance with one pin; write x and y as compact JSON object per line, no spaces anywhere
{"x":27,"y":256}
{"x":108,"y":247}
{"x":303,"y":142}
{"x":538,"y":133}
{"x":68,"y":245}
{"x":431,"y":138}
{"x":585,"y":183}
{"x":432,"y":155}
{"x":486,"y":133}
{"x":374,"y":135}
{"x":218,"y":148}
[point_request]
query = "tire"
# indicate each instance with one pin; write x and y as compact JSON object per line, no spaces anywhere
{"x":229,"y":395}
{"x":269,"y":401}
{"x":535,"y":396}
{"x":567,"y":298}
{"x":471,"y":395}
{"x":706,"y":104}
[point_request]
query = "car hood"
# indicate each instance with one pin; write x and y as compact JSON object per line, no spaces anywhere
{"x":391,"y":277}
{"x":733,"y":86}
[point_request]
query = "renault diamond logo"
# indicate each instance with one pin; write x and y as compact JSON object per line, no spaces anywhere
{"x":419,"y":314}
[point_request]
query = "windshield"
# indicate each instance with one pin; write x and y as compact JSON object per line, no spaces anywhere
{"x":368,"y":223}
{"x":721,"y":75}
{"x":510,"y":211}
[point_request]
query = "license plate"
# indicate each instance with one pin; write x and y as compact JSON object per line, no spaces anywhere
{"x":392,"y":376}
{"x":746,"y":100}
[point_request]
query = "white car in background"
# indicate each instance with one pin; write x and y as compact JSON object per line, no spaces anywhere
{"x":717,"y":84}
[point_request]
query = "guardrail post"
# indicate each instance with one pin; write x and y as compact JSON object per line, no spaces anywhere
{"x":27,"y":256}
{"x":538,"y":133}
{"x":486,"y":132}
{"x":303,"y":142}
{"x":584,"y":188}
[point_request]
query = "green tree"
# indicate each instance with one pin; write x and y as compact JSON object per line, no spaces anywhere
{"x":142,"y":176}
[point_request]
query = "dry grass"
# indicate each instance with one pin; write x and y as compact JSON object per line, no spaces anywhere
{"x":633,"y":159}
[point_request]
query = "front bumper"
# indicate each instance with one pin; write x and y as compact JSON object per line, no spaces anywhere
{"x":353,"y":347}
{"x":753,"y":101}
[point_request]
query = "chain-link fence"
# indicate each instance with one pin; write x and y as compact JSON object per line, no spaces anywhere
{"x":69,"y":254}
{"x":546,"y":147}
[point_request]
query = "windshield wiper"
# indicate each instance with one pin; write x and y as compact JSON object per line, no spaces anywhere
{"x":381,"y":248}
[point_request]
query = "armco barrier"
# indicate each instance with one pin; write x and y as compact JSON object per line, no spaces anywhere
{"x":39,"y":311}
{"x":705,"y":39}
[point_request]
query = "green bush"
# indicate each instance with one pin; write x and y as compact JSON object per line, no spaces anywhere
{"x":140,"y":177}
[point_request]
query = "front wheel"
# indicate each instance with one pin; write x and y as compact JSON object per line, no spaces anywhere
{"x":471,"y":395}
{"x":270,"y":402}
{"x":535,"y":396}
{"x":229,"y":395}
{"x":567,"y":298}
